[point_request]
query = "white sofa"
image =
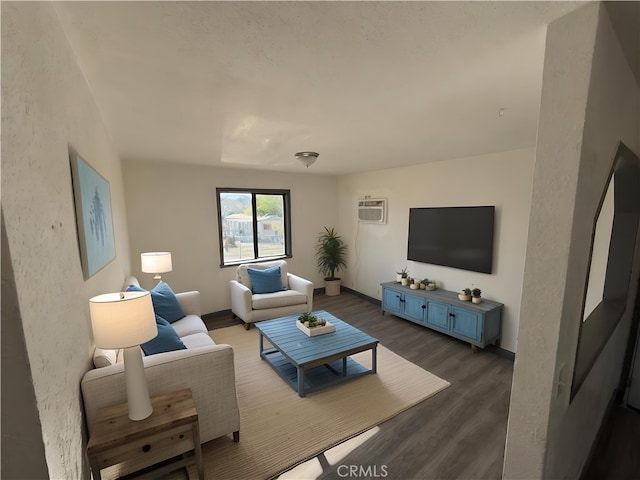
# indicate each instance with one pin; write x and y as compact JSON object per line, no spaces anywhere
{"x":254,"y":307}
{"x":204,"y":367}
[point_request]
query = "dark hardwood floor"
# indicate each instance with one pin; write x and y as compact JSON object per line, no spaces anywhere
{"x":457,"y":434}
{"x":616,"y":455}
{"x":460,"y":432}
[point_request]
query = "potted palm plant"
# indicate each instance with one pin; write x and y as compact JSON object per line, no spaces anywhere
{"x":331,"y":254}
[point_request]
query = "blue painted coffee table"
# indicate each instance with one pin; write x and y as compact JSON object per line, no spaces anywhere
{"x":311,"y":363}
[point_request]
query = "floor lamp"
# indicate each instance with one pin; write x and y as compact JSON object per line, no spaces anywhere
{"x":126,"y":320}
{"x":156,"y":262}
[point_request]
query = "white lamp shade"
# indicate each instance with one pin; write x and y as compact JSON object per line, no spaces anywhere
{"x":123,"y":319}
{"x":156,"y":262}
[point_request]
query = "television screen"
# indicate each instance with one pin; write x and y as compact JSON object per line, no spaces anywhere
{"x":458,"y":237}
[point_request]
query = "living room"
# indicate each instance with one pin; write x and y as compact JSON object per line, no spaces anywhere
{"x":49,"y":105}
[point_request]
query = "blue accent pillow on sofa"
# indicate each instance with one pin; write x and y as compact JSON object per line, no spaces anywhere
{"x":265,"y":281}
{"x":164,"y":301}
{"x":167,"y":339}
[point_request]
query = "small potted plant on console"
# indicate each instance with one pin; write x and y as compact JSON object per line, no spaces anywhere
{"x":405,"y":277}
{"x":414,"y":283}
{"x":465,"y":296}
{"x":401,"y":274}
{"x":431,"y":285}
{"x":476,"y":295}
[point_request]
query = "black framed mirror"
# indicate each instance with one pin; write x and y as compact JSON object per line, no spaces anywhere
{"x":613,"y":244}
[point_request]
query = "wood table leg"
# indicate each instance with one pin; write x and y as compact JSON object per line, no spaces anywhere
{"x":474,"y":349}
{"x":95,"y":469}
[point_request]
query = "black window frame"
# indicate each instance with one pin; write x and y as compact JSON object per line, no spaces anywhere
{"x":286,"y":217}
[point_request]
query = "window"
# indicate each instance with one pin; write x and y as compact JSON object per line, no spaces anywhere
{"x":253,"y":224}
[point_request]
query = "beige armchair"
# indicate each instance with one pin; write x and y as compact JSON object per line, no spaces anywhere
{"x":296,"y":297}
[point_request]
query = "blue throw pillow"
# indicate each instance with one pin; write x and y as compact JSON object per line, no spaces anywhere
{"x":167,"y":339}
{"x":164,"y":301}
{"x":265,"y":281}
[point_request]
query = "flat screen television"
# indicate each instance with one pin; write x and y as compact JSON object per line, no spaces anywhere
{"x":458,"y":237}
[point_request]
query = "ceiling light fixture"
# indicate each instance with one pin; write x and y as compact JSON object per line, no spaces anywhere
{"x":307,"y":158}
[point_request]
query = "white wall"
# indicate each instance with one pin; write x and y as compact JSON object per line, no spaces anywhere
{"x":47,"y":106}
{"x":590,"y":101}
{"x":377,"y":252}
{"x":173,"y":208}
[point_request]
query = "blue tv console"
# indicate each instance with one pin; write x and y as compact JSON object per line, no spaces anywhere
{"x":441,"y":310}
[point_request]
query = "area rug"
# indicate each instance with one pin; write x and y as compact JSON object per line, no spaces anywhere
{"x":279,"y":430}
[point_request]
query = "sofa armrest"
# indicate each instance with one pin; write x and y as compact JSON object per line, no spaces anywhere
{"x":301,"y":285}
{"x":208,"y":371}
{"x":190,"y":302}
{"x":240,"y":299}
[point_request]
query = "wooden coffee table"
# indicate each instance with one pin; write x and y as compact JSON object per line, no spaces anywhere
{"x":311,"y":363}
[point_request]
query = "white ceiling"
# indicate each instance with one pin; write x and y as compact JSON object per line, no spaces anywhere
{"x":368,"y":85}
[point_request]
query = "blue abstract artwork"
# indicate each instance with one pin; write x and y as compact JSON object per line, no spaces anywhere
{"x":93,"y":215}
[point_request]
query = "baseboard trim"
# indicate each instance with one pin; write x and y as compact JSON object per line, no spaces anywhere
{"x":214,"y":315}
{"x":369,"y":299}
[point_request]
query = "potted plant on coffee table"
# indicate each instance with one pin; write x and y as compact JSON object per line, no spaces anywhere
{"x":331,"y":254}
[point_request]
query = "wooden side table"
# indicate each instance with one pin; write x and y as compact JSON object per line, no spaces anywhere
{"x":171,"y":430}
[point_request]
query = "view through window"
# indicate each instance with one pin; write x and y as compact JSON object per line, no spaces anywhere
{"x":253,"y":224}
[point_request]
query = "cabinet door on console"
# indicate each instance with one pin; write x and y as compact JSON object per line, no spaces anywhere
{"x":391,"y":300}
{"x":438,"y":315}
{"x":467,"y":323}
{"x":414,"y":307}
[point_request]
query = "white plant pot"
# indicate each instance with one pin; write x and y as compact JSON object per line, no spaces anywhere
{"x":476,"y":299}
{"x":404,"y":281}
{"x":414,"y":286}
{"x":463,"y":297}
{"x":332,"y":287}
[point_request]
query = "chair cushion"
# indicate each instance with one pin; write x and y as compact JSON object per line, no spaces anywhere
{"x":197,"y":340}
{"x":189,"y":325}
{"x":266,"y":280}
{"x":164,"y":301}
{"x":284,"y":298}
{"x":167,"y":339}
{"x":242,"y":274}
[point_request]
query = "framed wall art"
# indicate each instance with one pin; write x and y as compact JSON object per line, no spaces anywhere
{"x":92,"y":197}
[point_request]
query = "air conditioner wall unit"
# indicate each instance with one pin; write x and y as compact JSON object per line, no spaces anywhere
{"x":372,"y":210}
